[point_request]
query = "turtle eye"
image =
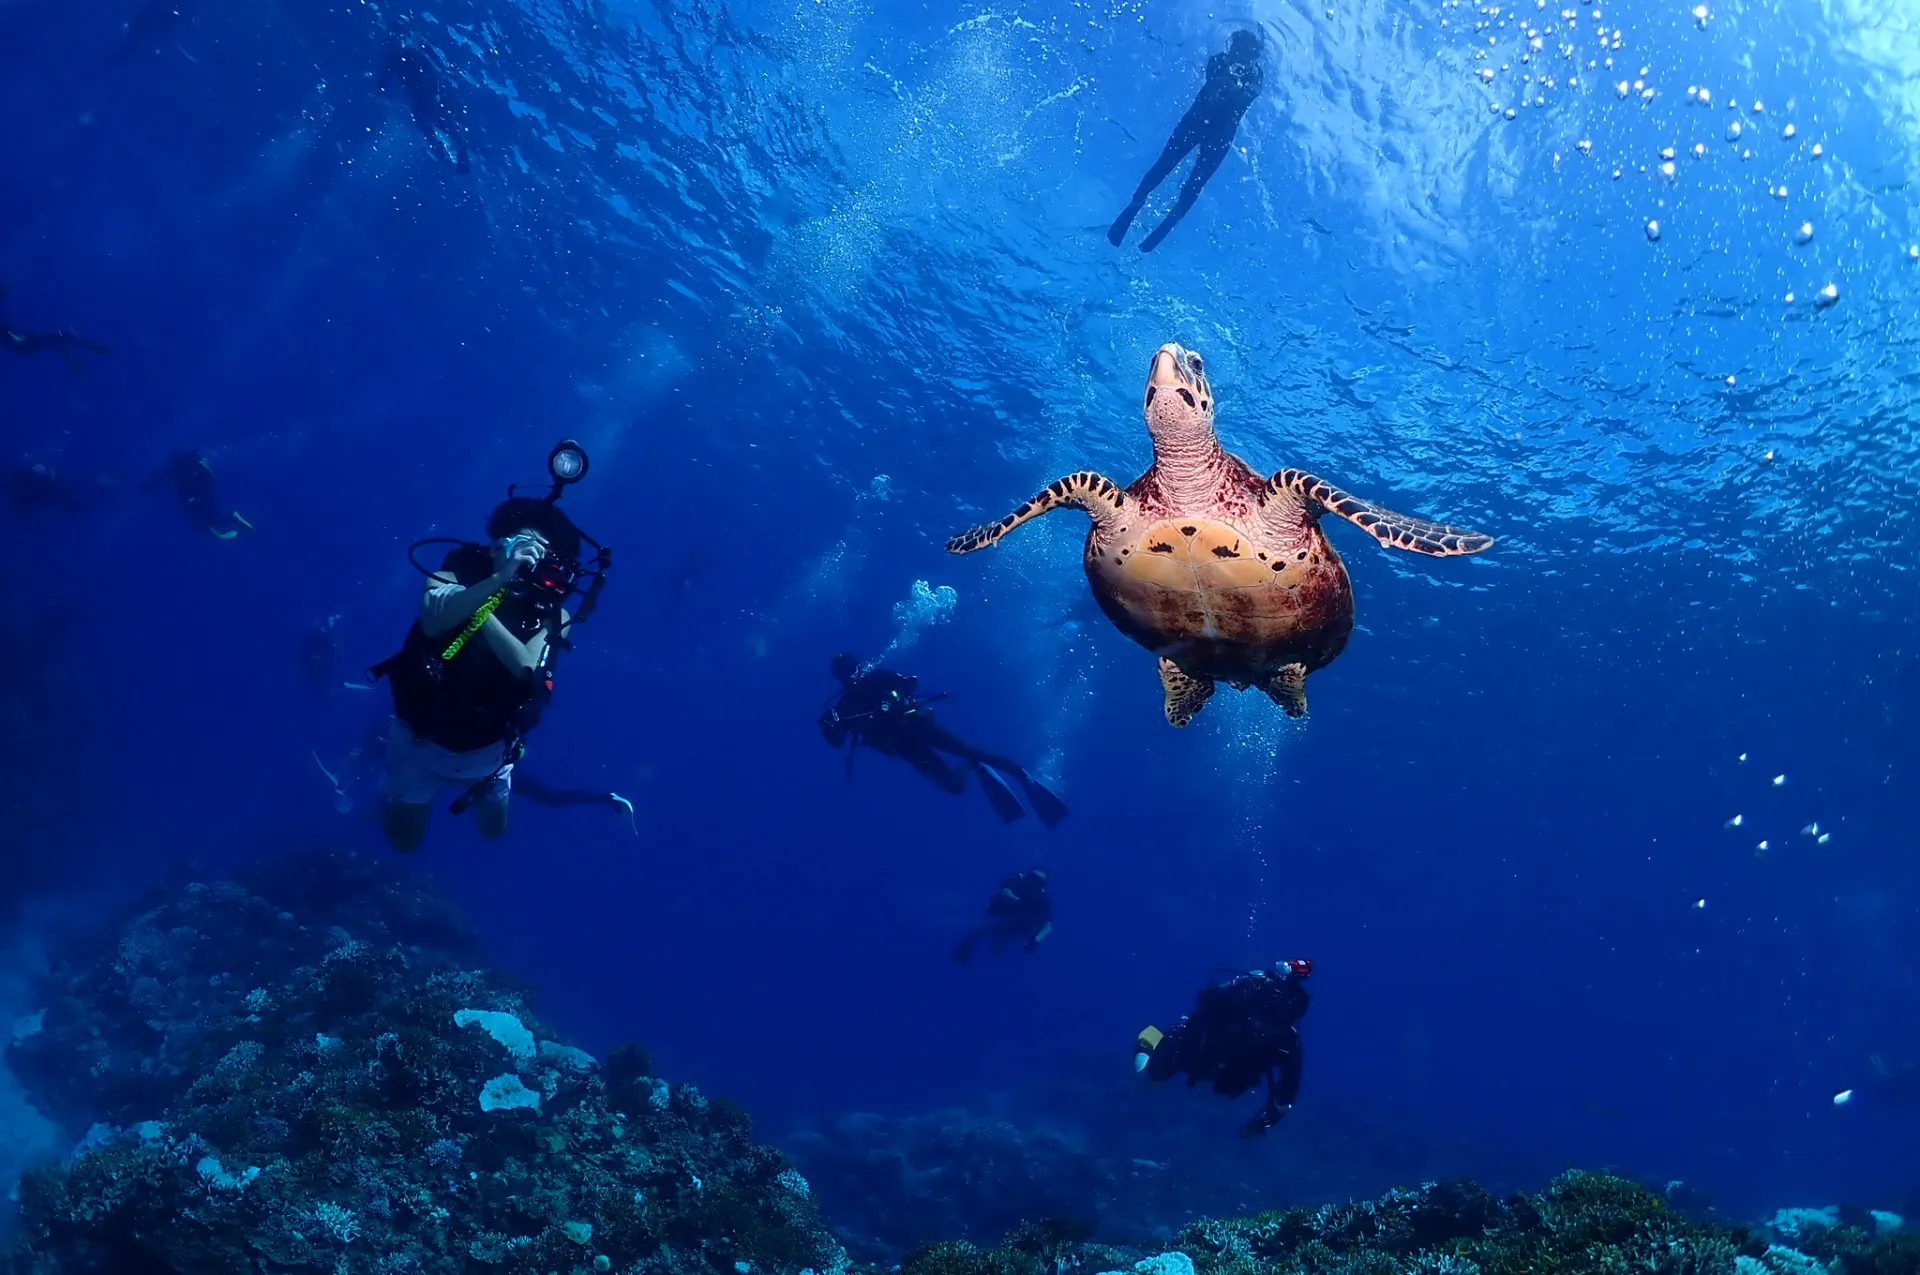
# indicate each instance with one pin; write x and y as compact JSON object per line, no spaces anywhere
{"x":1198,"y":368}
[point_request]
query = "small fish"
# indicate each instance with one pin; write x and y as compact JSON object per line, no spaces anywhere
{"x":1735,"y":822}
{"x":1842,"y":1098}
{"x":1743,"y":759}
{"x":1700,"y":905}
{"x":1779,"y":781}
{"x":1763,"y":847}
{"x":1823,"y":838}
{"x":1811,"y":830}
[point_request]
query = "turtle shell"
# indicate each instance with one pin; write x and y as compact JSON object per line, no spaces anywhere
{"x":1201,"y":592}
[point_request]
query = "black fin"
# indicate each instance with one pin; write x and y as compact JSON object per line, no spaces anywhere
{"x":1048,"y":807}
{"x":999,"y":796}
{"x":963,"y":950}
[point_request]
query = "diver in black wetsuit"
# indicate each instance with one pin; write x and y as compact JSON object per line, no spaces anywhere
{"x":22,"y":341}
{"x":192,"y":480}
{"x":1233,"y":82}
{"x":1019,"y":909}
{"x":413,"y":70}
{"x":1240,"y":1032}
{"x":879,"y":708}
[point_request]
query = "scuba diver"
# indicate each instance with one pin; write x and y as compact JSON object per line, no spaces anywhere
{"x":879,"y":708}
{"x":477,"y":667}
{"x":1240,"y":1032}
{"x":1233,"y":82}
{"x":22,"y":341}
{"x":192,"y":480}
{"x":32,"y":489}
{"x":1019,"y":909}
{"x":411,"y":67}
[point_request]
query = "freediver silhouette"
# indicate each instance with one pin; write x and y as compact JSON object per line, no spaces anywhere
{"x":1233,"y":82}
{"x":23,"y":341}
{"x":413,"y":69}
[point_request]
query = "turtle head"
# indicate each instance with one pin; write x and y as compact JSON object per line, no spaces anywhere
{"x":1179,"y":402}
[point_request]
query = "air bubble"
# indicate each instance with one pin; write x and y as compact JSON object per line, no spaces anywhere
{"x":1804,"y":234}
{"x":1585,"y":146}
{"x":1788,"y":132}
{"x":1828,"y":295}
{"x":1653,"y":232}
{"x":1733,"y":131}
{"x":1818,"y":150}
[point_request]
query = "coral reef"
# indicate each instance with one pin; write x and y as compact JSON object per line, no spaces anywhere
{"x":293,"y":1072}
{"x":889,"y":1184}
{"x":1581,"y":1224}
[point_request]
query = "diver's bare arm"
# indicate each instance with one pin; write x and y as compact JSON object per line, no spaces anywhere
{"x":445,"y":606}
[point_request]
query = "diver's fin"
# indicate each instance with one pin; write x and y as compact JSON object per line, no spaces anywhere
{"x":1050,"y":809}
{"x":1144,"y":1044}
{"x":999,"y":796}
{"x":1288,"y":689}
{"x":245,"y":528}
{"x":963,"y":950}
{"x":1186,"y":695}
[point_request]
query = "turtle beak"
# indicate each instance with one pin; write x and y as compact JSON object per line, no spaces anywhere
{"x":1176,"y":371}
{"x":1169,"y":368}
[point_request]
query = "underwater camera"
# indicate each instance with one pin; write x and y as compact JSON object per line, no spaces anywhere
{"x":559,"y":573}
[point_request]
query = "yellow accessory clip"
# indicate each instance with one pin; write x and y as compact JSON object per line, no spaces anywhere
{"x":1150,"y":1038}
{"x":480,"y":617}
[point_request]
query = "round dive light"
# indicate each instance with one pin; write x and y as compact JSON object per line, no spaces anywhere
{"x":567,"y":462}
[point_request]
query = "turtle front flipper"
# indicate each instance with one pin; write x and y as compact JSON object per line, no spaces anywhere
{"x":1396,"y":531}
{"x":1095,"y":493}
{"x":1288,"y":689}
{"x":1186,"y":694}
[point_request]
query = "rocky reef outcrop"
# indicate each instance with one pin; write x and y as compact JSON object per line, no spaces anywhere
{"x":1581,"y":1224}
{"x":296,"y":1071}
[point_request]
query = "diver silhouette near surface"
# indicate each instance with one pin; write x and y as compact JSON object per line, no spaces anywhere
{"x":66,"y":343}
{"x":1233,"y":82}
{"x":883,"y":710}
{"x":412,"y":69}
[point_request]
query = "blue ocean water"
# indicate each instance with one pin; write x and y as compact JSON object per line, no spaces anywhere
{"x":820,"y":284}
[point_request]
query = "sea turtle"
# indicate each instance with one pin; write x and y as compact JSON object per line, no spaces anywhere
{"x":1223,"y":574}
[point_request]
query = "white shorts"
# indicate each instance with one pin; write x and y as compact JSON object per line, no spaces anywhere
{"x":418,"y":769}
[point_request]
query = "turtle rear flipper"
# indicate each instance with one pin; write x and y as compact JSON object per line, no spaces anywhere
{"x":1396,"y":531}
{"x":1186,"y":694}
{"x":1288,"y":689}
